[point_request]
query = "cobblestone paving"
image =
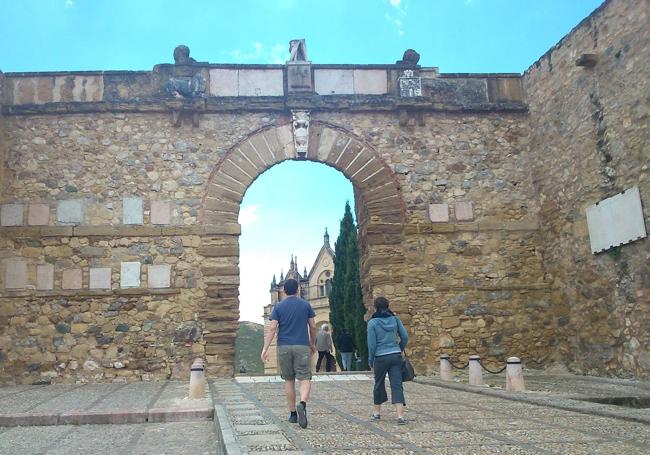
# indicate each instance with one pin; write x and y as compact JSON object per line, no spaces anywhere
{"x":440,"y":421}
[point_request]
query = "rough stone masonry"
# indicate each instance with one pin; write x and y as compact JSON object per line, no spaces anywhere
{"x":120,"y":193}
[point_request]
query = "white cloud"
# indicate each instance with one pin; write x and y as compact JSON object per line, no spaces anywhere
{"x":69,"y":4}
{"x":395,"y":3}
{"x":260,"y":53}
{"x":248,"y":215}
{"x":399,"y":9}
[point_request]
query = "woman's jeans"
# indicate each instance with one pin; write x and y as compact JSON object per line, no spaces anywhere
{"x":346,"y":360}
{"x":391,"y":364}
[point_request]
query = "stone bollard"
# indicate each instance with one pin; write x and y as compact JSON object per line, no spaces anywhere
{"x":514,"y":375}
{"x":197,"y":380}
{"x":475,"y":370}
{"x":445,"y":368}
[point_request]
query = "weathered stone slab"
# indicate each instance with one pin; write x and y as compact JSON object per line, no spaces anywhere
{"x":11,"y":214}
{"x":38,"y":215}
{"x":261,"y":82}
{"x":15,"y":274}
{"x":71,"y":279}
{"x":334,"y":81}
{"x":439,"y":213}
{"x":100,"y":278}
{"x":78,"y":88}
{"x":224,"y":82}
{"x":161,"y":212}
{"x":45,"y":277}
{"x":132,"y":210}
{"x":464,"y":211}
{"x":370,"y":82}
{"x":130,"y":274}
{"x":159,"y":276}
{"x":70,"y":211}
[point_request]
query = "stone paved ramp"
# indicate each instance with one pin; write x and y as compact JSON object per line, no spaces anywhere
{"x":137,"y":402}
{"x":252,"y":417}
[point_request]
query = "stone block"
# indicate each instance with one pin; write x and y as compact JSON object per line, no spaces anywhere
{"x":71,"y":279}
{"x":45,"y":277}
{"x":334,"y":82}
{"x":370,"y":82}
{"x":132,"y":210}
{"x":78,"y":88}
{"x":38,"y":215}
{"x":100,"y":278}
{"x":15,"y":274}
{"x":161,"y":212}
{"x":11,"y":214}
{"x":70,"y":211}
{"x":261,"y":82}
{"x":159,"y":276}
{"x":464,"y":211}
{"x":299,"y":77}
{"x":439,"y":213}
{"x":130,"y":274}
{"x":224,"y":82}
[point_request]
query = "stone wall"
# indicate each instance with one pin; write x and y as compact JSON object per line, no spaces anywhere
{"x":589,"y":141}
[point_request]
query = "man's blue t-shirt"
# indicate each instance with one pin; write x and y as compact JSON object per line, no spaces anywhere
{"x":293,"y":315}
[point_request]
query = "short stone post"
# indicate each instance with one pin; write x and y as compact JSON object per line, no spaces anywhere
{"x":197,"y":379}
{"x":475,"y":370}
{"x":445,"y":368}
{"x":514,"y":375}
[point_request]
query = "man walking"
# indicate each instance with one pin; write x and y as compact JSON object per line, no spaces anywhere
{"x":324,"y":347}
{"x":345,"y":345}
{"x":293,"y":319}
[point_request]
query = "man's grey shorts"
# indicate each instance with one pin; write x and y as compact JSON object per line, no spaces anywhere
{"x":295,"y":362}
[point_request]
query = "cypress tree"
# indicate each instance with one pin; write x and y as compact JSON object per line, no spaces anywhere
{"x":346,"y":303}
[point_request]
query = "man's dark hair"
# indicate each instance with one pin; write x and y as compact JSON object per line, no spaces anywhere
{"x":290,"y":286}
{"x":381,"y":303}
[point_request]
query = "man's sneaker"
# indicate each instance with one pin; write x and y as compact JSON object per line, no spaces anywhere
{"x":293,"y":417}
{"x":302,"y":415}
{"x":375,"y":417}
{"x":401,"y":421}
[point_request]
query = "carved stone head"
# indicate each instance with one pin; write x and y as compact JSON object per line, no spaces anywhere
{"x":410,"y":58}
{"x":182,"y":55}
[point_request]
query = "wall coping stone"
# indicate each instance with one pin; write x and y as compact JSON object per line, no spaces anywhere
{"x":117,"y":231}
{"x":84,"y":293}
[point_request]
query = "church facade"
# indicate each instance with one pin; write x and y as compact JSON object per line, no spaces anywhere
{"x":315,"y":287}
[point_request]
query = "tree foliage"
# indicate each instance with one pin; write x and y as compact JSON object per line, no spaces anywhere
{"x":345,"y":299}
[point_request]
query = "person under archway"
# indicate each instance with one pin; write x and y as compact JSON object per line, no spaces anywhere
{"x":293,"y":319}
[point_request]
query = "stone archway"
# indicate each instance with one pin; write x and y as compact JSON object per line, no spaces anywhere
{"x":379,"y":208}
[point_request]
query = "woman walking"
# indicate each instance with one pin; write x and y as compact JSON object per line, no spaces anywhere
{"x":385,"y":356}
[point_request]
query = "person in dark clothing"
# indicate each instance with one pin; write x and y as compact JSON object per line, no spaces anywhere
{"x":345,"y":345}
{"x":385,"y":356}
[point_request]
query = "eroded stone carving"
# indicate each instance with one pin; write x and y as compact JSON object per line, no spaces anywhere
{"x":298,"y":50}
{"x":410,"y":85}
{"x":301,"y":132}
{"x":410,"y":58}
{"x":182,"y":55}
{"x":182,"y":87}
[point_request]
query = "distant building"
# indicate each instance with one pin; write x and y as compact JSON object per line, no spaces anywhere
{"x":315,"y":287}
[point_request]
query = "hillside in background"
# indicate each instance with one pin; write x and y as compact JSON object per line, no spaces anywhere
{"x":250,"y":339}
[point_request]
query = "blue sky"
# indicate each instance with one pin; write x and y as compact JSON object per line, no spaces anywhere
{"x":286,"y":210}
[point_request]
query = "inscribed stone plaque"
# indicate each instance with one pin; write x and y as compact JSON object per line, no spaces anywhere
{"x":132,"y":210}
{"x":616,"y":220}
{"x":45,"y":277}
{"x":130,"y":274}
{"x":439,"y":213}
{"x":100,"y":278}
{"x":261,"y":83}
{"x":299,"y":77}
{"x":160,"y":212}
{"x":370,"y":82}
{"x":15,"y":274}
{"x":464,"y":211}
{"x":70,"y":211}
{"x":11,"y":215}
{"x":71,"y":279}
{"x":333,"y":82}
{"x":224,"y":82}
{"x":159,"y":276}
{"x":38,"y":215}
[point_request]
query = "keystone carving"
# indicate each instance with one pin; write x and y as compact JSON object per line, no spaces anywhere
{"x":301,"y":132}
